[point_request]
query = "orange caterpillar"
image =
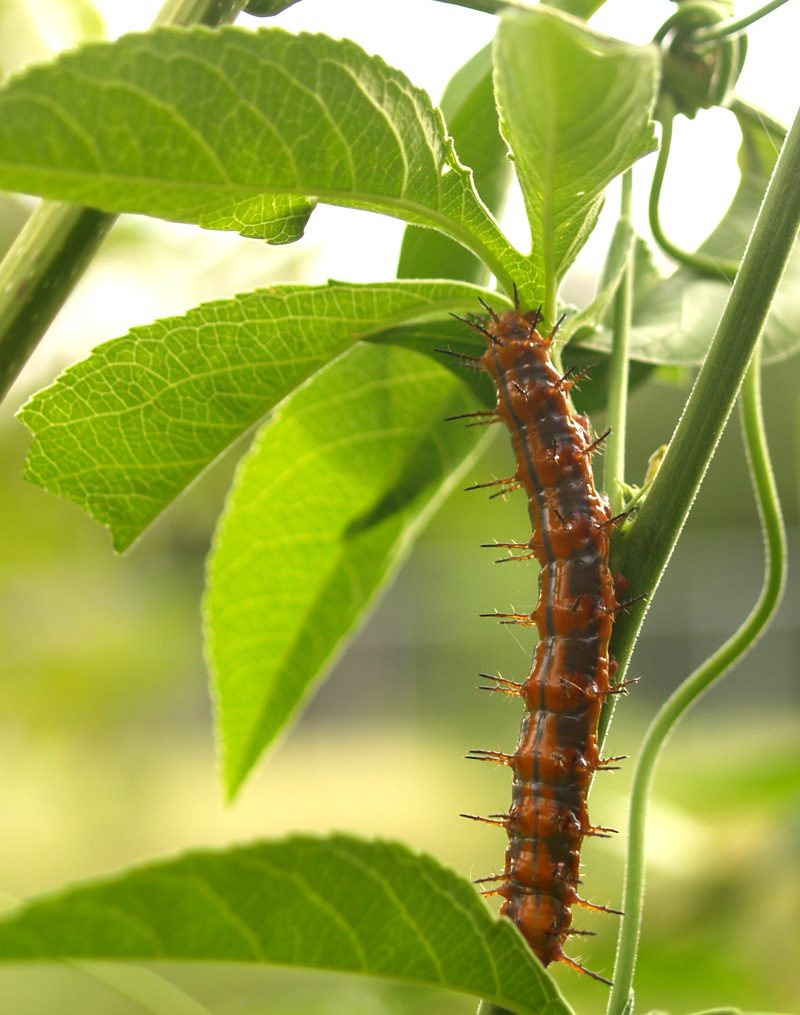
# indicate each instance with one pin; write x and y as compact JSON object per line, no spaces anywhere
{"x":557,"y":753}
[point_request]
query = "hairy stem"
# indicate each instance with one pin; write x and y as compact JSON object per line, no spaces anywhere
{"x":59,"y":240}
{"x":694,"y":686}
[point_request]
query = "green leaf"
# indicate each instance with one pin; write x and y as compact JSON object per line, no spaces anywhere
{"x":198,"y":126}
{"x":278,"y":220}
{"x":265,"y":692}
{"x":323,"y":510}
{"x":471,"y":116}
{"x":575,"y":109}
{"x":675,"y":321}
{"x":339,"y":903}
{"x":125,"y":431}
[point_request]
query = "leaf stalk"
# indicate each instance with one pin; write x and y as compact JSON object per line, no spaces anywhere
{"x":614,"y":457}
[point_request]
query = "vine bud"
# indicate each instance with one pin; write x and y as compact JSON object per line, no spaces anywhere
{"x":696,"y":75}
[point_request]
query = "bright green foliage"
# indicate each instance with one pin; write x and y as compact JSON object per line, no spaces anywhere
{"x":198,"y":126}
{"x":575,"y":111}
{"x":340,"y":904}
{"x":125,"y":431}
{"x":323,"y":510}
{"x":266,"y":660}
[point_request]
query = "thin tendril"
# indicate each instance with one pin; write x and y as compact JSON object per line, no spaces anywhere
{"x":725,"y":29}
{"x":694,"y":686}
{"x":701,"y":262}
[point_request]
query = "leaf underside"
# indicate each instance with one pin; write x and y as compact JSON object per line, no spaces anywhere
{"x":338,"y":903}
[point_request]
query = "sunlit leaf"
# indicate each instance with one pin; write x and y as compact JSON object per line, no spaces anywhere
{"x":125,"y":431}
{"x":575,"y":109}
{"x":338,"y":575}
{"x":323,"y":510}
{"x":211,"y":127}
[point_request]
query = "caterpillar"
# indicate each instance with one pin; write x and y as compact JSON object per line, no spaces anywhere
{"x":557,"y":753}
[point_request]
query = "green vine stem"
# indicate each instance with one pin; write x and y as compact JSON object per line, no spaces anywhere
{"x":694,"y":259}
{"x":614,"y":457}
{"x":59,"y":240}
{"x":725,"y":29}
{"x":694,"y":686}
{"x":643,"y":552}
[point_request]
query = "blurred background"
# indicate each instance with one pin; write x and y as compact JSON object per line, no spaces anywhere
{"x":106,"y":745}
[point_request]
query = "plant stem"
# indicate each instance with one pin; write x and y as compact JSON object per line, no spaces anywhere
{"x":550,"y":305}
{"x":59,"y":240}
{"x":643,"y":552}
{"x":707,"y":265}
{"x":37,"y":274}
{"x":614,"y":457}
{"x":691,"y":689}
{"x":725,"y":29}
